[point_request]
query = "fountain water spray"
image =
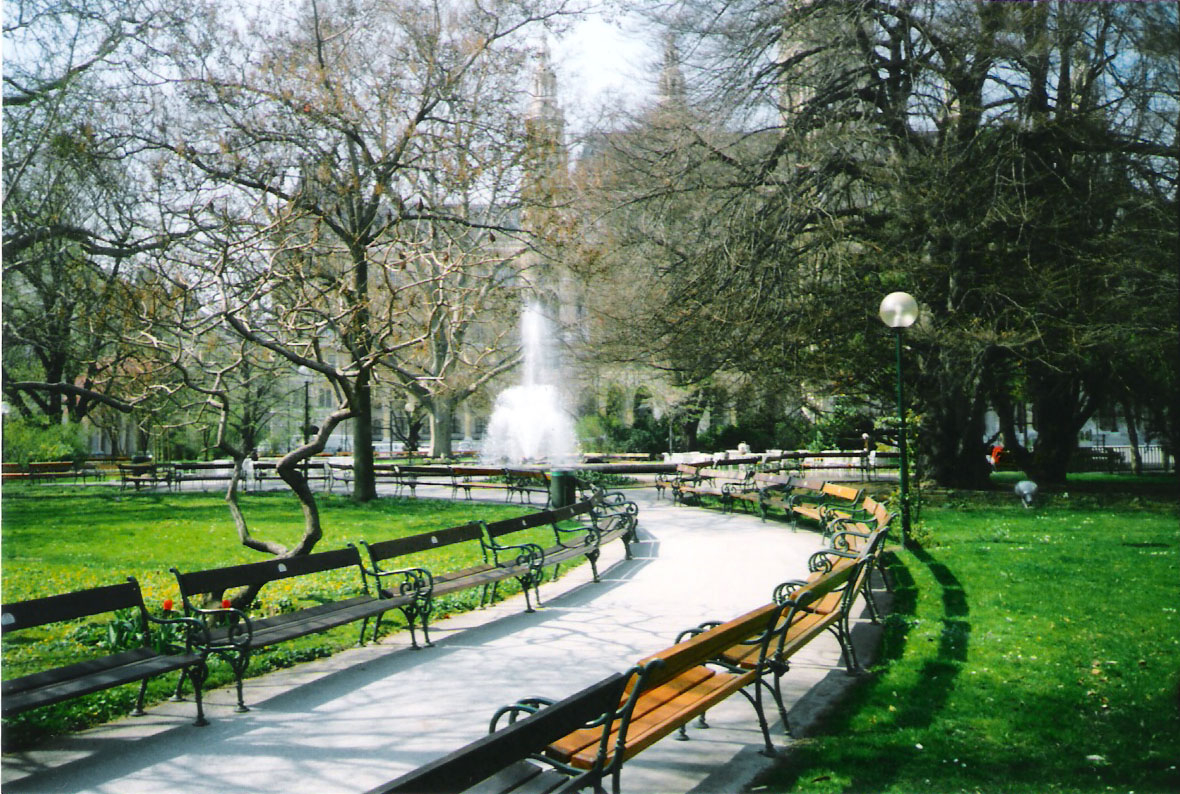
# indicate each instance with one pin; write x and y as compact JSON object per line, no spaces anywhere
{"x":529,"y":422}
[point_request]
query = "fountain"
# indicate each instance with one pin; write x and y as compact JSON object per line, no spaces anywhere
{"x":529,"y":422}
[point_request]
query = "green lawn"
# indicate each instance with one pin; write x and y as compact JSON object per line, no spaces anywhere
{"x":57,"y":540}
{"x":1028,"y":651}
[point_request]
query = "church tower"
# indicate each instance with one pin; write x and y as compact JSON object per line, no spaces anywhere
{"x":546,"y":183}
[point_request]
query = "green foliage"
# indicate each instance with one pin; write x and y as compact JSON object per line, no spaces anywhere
{"x":842,"y":426}
{"x":30,"y":441}
{"x":607,"y":433}
{"x":1028,"y":651}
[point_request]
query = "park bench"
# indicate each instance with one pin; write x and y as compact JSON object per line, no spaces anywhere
{"x":851,"y":536}
{"x":469,"y":478}
{"x":766,"y":490}
{"x":525,"y":562}
{"x":14,"y":471}
{"x":234,"y":635}
{"x":714,"y":483}
{"x":145,"y":475}
{"x":46,"y":471}
{"x":818,"y":505}
{"x":511,"y":758}
{"x":340,"y":473}
{"x":156,"y":655}
{"x":412,"y":476}
{"x":669,"y":689}
{"x":202,"y":471}
{"x":808,"y":608}
{"x":599,"y":523}
{"x":267,"y":471}
{"x":526,"y":482}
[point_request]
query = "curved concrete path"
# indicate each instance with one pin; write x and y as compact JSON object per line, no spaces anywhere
{"x":364,"y":716}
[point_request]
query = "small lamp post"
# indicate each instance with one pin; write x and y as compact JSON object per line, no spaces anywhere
{"x":899,"y":310}
{"x":305,"y":376}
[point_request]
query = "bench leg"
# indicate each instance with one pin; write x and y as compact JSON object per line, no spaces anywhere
{"x":593,"y":558}
{"x":138,"y":710}
{"x":239,"y":668}
{"x":198,"y":674}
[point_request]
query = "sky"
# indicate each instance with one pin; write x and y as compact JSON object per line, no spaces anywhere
{"x":600,"y":63}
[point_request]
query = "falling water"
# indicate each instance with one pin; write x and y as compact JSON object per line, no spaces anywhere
{"x":529,"y":422}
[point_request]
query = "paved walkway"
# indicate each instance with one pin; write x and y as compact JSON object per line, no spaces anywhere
{"x":364,"y":716}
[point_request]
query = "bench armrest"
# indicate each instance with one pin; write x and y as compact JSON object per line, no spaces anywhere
{"x":528,"y":553}
{"x":196,"y":633}
{"x":821,"y":560}
{"x":783,"y":592}
{"x":414,"y":580}
{"x":589,"y":538}
{"x":239,"y":634}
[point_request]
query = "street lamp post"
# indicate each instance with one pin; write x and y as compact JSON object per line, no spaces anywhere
{"x":899,"y":310}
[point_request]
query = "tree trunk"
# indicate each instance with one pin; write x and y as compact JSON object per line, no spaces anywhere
{"x":1060,"y":413}
{"x":1132,"y":436}
{"x":950,"y":443}
{"x":442,"y":420}
{"x":364,"y":483}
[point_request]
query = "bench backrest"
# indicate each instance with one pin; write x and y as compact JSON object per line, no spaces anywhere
{"x":476,"y":471}
{"x":697,"y":650}
{"x":527,"y":474}
{"x":847,"y":493}
{"x":399,"y":547}
{"x":437,"y":471}
{"x":67,"y":606}
{"x":467,"y":766}
{"x":810,"y":484}
{"x":215,"y":580}
{"x":498,"y":529}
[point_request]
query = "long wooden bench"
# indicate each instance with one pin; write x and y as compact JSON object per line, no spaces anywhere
{"x":155,"y":656}
{"x":670,"y":689}
{"x":202,"y":471}
{"x":600,"y":522}
{"x":766,"y":490}
{"x":852,"y":536}
{"x":818,"y":506}
{"x":714,"y":483}
{"x":526,"y":482}
{"x":469,"y":478}
{"x":410,"y":477}
{"x":145,"y":475}
{"x":233,"y":634}
{"x":596,"y":525}
{"x":511,"y":758}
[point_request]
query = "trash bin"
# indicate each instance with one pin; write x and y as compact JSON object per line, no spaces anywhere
{"x":561,"y":488}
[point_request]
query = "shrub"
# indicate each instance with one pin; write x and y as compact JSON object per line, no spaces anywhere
{"x":29,"y":441}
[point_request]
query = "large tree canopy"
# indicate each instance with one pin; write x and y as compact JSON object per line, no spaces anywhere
{"x":1011,"y":165}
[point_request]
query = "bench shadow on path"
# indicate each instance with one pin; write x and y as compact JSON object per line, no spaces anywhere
{"x":820,"y":712}
{"x":102,"y":759}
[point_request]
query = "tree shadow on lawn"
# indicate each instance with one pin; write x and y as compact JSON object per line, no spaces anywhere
{"x":916,"y":708}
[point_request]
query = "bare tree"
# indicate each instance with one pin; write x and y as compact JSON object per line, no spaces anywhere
{"x":327,"y":126}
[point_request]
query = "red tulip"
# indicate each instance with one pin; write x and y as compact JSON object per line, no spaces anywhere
{"x":225,"y":603}
{"x":167,"y":604}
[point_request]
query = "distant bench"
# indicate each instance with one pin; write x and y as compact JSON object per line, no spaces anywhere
{"x":599,"y":521}
{"x":123,"y":667}
{"x":146,"y":475}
